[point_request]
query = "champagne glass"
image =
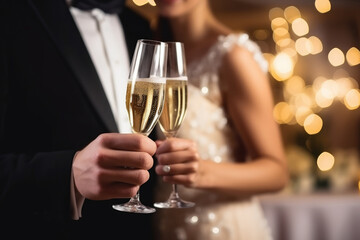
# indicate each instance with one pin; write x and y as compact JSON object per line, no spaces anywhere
{"x":174,"y":109}
{"x":145,"y":99}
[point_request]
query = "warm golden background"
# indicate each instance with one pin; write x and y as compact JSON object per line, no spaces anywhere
{"x":312,"y":47}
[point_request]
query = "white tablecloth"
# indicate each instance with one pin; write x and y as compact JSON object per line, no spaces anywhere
{"x":319,"y":216}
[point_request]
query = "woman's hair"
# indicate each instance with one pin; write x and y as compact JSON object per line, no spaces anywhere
{"x":163,"y":30}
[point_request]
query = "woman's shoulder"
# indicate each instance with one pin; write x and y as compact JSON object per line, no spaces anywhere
{"x":236,"y":46}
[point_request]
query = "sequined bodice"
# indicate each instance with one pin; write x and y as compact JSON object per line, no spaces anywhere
{"x":206,"y":121}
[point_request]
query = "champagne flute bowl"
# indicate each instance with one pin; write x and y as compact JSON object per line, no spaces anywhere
{"x":145,"y":95}
{"x":174,"y":109}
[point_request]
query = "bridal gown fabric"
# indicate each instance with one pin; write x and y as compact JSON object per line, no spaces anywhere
{"x":215,"y":216}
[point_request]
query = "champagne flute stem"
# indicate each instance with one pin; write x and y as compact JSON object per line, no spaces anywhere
{"x":136,"y":198}
{"x":174,"y":191}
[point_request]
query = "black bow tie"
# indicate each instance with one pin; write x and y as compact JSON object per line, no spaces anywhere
{"x":108,"y":6}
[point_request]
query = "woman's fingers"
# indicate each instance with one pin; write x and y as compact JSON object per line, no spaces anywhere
{"x":177,"y":157}
{"x":177,"y":169}
{"x":174,"y":145}
{"x":178,"y":161}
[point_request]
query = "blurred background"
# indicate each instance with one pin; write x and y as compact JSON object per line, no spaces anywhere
{"x":312,"y":47}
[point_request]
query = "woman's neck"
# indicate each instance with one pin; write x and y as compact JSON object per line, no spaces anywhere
{"x":198,"y":30}
{"x":193,"y":27}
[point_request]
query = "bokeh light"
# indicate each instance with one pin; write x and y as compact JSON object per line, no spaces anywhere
{"x":285,"y":43}
{"x":353,"y":56}
{"x":282,"y":67}
{"x":329,"y":89}
{"x":300,"y":27}
{"x":313,"y":124}
{"x":325,"y":161}
{"x":301,"y":114}
{"x":352,"y":99}
{"x":283,"y":113}
{"x":275,"y":12}
{"x":280,"y":34}
{"x":336,"y":57}
{"x":316,"y":45}
{"x":303,"y":99}
{"x":294,"y":85}
{"x":322,"y":6}
{"x":323,"y":101}
{"x":279,"y":22}
{"x":291,"y":13}
{"x":261,"y":34}
{"x":303,"y":46}
{"x":344,"y":85}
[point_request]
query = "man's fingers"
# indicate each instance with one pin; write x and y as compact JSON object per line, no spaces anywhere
{"x":114,"y":190}
{"x":109,"y":158}
{"x":127,"y":142}
{"x":122,"y":175}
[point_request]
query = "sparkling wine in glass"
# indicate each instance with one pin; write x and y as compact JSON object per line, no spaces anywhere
{"x":145,"y":96}
{"x":174,"y":109}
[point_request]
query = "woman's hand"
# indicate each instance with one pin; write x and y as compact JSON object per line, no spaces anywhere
{"x":183,"y":159}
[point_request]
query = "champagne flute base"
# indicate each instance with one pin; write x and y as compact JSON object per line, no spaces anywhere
{"x":134,"y":208}
{"x":174,"y":203}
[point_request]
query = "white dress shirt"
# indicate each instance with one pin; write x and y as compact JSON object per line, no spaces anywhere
{"x":104,"y":39}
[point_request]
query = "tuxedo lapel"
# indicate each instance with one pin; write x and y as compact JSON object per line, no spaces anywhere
{"x":57,"y":19}
{"x":135,"y":27}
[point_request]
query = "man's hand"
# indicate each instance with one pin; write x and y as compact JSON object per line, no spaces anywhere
{"x":113,"y":166}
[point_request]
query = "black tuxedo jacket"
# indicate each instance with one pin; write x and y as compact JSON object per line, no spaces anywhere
{"x":51,"y":105}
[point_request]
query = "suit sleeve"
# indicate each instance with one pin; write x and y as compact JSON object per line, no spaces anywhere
{"x":33,"y":185}
{"x":36,"y":185}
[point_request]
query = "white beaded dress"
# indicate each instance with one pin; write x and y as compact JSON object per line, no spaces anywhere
{"x":215,"y":216}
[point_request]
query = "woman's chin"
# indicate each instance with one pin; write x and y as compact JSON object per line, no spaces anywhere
{"x":167,"y":1}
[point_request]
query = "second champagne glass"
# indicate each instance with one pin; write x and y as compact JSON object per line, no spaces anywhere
{"x":174,"y":109}
{"x":145,"y":99}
